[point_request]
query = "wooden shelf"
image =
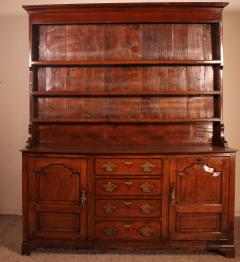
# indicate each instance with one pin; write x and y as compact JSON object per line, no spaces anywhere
{"x":169,"y":149}
{"x":126,"y":62}
{"x":123,"y":93}
{"x":126,"y":120}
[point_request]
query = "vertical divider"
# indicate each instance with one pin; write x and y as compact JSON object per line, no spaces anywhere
{"x":217,"y":42}
{"x":165,"y":199}
{"x":34,"y":42}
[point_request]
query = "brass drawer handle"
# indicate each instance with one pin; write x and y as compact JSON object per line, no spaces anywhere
{"x":127,"y":226}
{"x":128,"y":203}
{"x":128,"y":183}
{"x":146,"y":231}
{"x":147,"y":167}
{"x":146,"y":208}
{"x":146,"y":187}
{"x":109,"y":166}
{"x":128,"y":163}
{"x":110,"y":187}
{"x":173,"y":196}
{"x":83,"y":198}
{"x":110,"y":231}
{"x":109,"y":208}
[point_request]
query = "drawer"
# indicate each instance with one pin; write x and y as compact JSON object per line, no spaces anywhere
{"x":128,"y":208}
{"x":119,"y":187}
{"x":128,"y":230}
{"x":128,"y":166}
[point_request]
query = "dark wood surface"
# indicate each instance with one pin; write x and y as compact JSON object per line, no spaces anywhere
{"x":75,"y":7}
{"x":98,"y":150}
{"x":197,"y":213}
{"x":126,"y":144}
{"x":127,"y":12}
{"x":141,"y":135}
{"x":125,"y":62}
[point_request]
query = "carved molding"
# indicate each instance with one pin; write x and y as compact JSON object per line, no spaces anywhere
{"x":45,"y":169}
{"x":32,"y":139}
{"x":223,"y":141}
{"x":219,"y":136}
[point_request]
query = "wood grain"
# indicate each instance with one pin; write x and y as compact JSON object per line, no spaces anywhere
{"x":125,"y":41}
{"x":127,"y":135}
{"x":131,"y":78}
{"x":127,"y":108}
{"x":126,"y":144}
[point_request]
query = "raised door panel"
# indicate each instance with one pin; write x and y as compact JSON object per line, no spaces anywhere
{"x":55,"y":189}
{"x":57,"y":185}
{"x":198,"y":198}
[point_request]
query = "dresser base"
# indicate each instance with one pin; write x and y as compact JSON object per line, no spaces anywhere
{"x":226,"y":250}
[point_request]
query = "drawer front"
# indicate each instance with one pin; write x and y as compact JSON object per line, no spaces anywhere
{"x":128,"y":208}
{"x":128,"y":230}
{"x":128,"y":166}
{"x":130,"y":187}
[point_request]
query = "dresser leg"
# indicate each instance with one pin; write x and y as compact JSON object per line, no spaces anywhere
{"x":228,"y":252}
{"x":26,"y":250}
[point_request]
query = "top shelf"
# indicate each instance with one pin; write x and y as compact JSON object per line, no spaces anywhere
{"x":100,"y":6}
{"x":125,"y":62}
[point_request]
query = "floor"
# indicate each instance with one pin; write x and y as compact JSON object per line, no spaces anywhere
{"x":10,"y":243}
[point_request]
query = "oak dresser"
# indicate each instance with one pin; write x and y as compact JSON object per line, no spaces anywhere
{"x":126,"y":146}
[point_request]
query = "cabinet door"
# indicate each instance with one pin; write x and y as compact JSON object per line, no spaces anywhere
{"x":56,"y":188}
{"x":199,"y":198}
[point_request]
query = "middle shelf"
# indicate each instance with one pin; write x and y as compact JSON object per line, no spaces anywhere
{"x":127,"y":108}
{"x":121,"y":120}
{"x":121,"y":93}
{"x":125,"y":62}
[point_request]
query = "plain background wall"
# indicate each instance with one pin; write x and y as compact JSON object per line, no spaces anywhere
{"x":14,"y":106}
